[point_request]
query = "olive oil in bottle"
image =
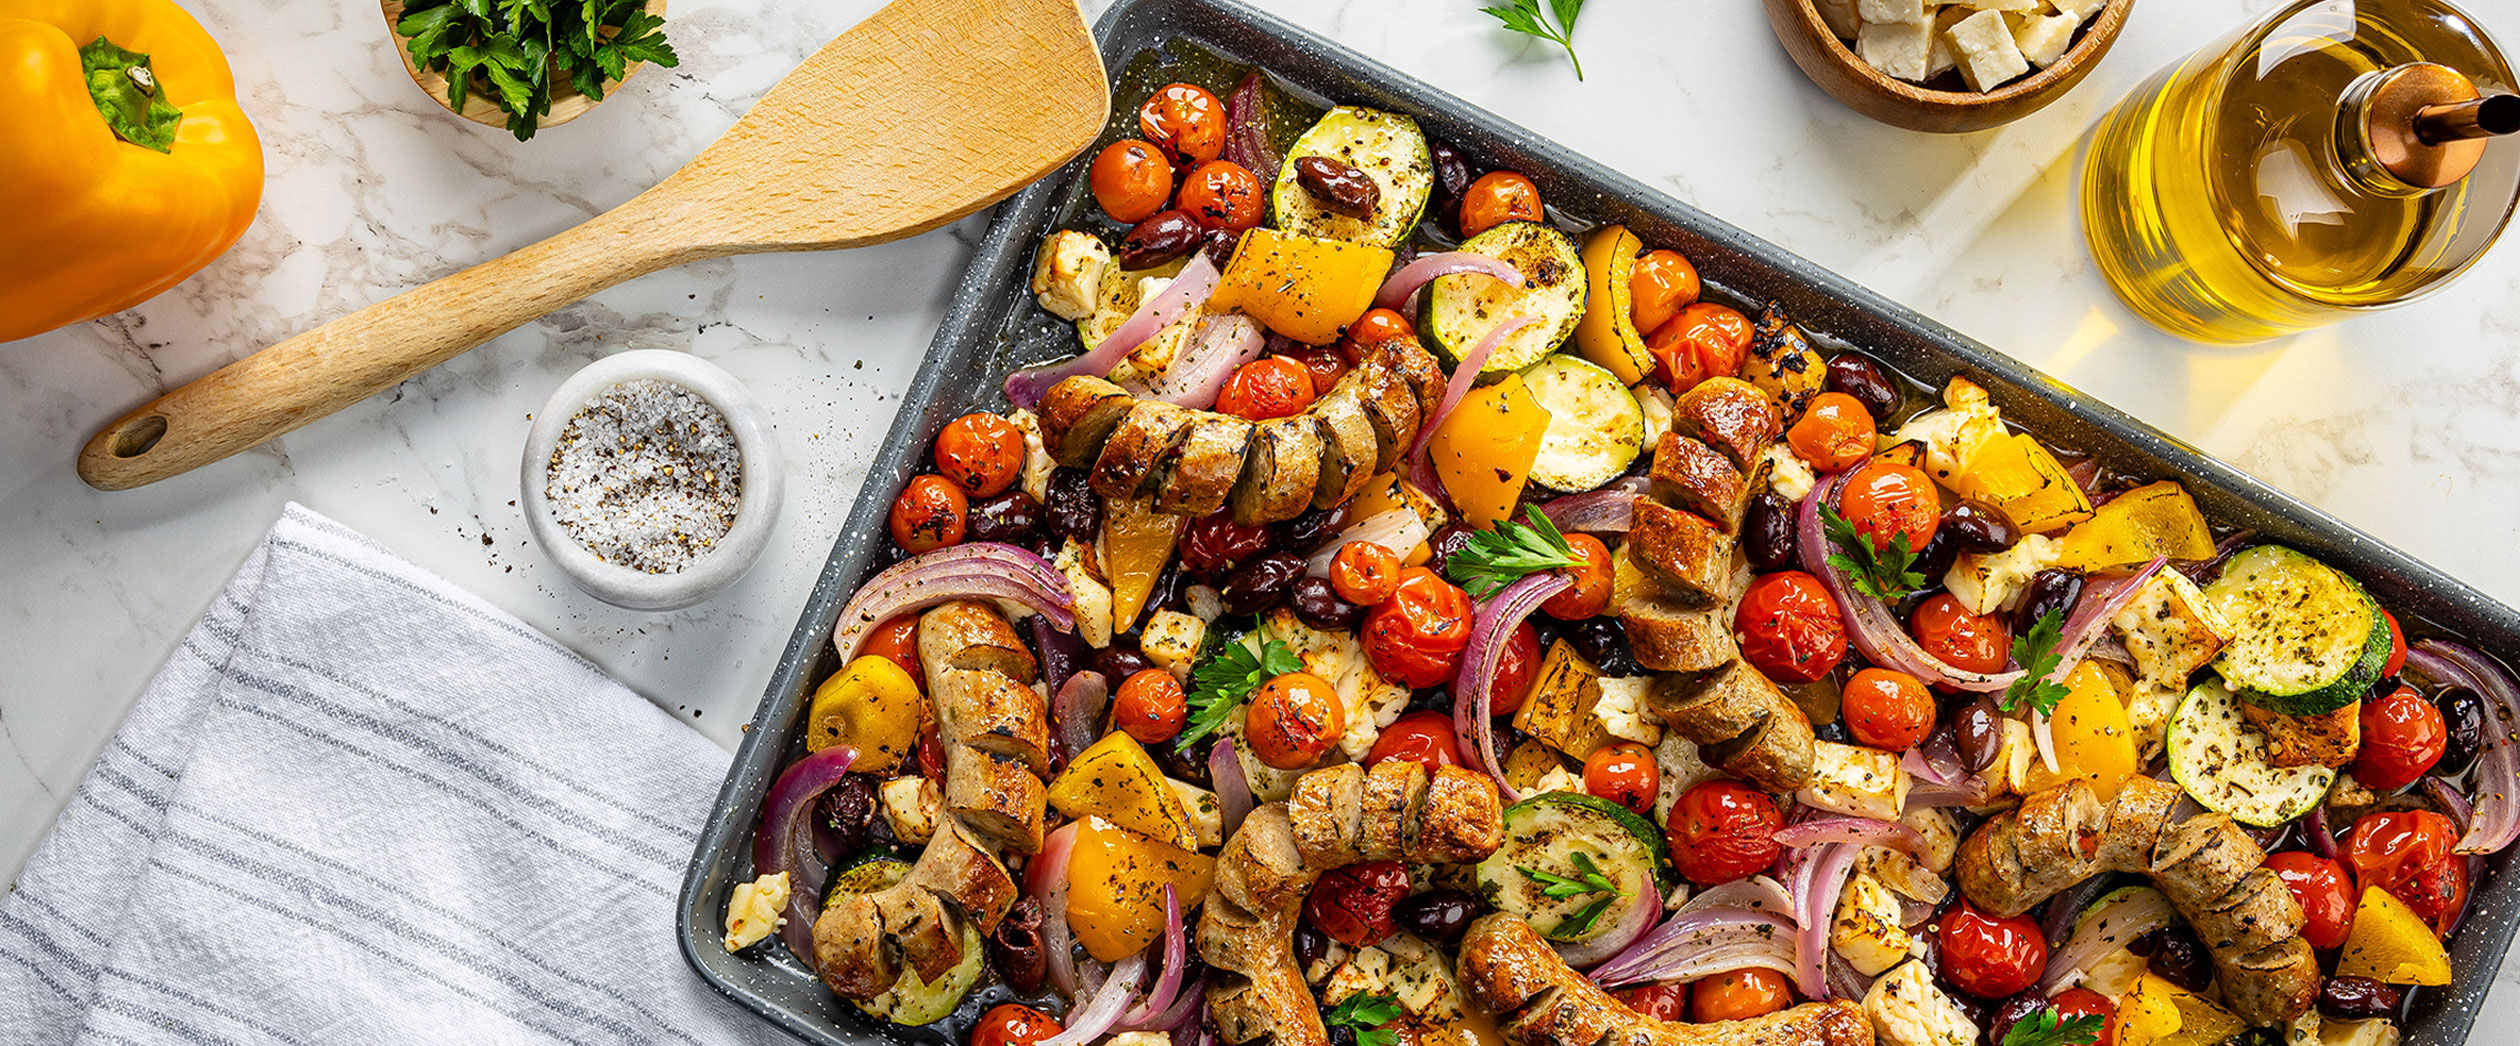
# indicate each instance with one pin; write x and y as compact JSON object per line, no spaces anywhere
{"x":2338,"y":156}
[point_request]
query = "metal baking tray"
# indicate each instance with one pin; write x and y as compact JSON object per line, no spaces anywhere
{"x":993,"y":326}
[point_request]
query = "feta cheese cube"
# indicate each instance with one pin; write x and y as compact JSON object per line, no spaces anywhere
{"x":1171,"y":640}
{"x":1068,"y":273}
{"x":1999,"y":5}
{"x":1090,"y":597}
{"x":1139,"y":1038}
{"x":2042,"y":38}
{"x":2170,"y":630}
{"x":2082,"y":10}
{"x":1866,"y":927}
{"x":1788,"y":473}
{"x":1989,"y":581}
{"x":1621,"y":710}
{"x":1888,"y":11}
{"x":910,"y":805}
{"x":1907,"y":1010}
{"x":1896,"y":48}
{"x":1939,"y":57}
{"x":1855,"y":781}
{"x":1558,"y":780}
{"x":752,"y":911}
{"x":1037,"y":463}
{"x":1988,"y":56}
{"x":1842,"y":19}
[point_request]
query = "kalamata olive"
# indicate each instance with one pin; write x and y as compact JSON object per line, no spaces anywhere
{"x":1451,"y":539}
{"x":1452,"y":178}
{"x":1310,"y":944}
{"x":1120,"y":661}
{"x":1338,"y":186}
{"x":1833,"y":731}
{"x":1342,"y":1034}
{"x":1319,"y":606}
{"x":1437,"y":915}
{"x":1262,"y":582}
{"x":2463,"y":715}
{"x":2053,"y":590}
{"x":1603,"y":640}
{"x":2179,"y":958}
{"x":1767,"y":531}
{"x":1171,"y":591}
{"x":847,"y":810}
{"x":1315,"y":527}
{"x":1935,"y":559}
{"x":2013,"y":1010}
{"x":1015,"y":949}
{"x":1219,"y":245}
{"x":1980,"y":527}
{"x":1013,"y":517}
{"x":2358,"y":998}
{"x":1863,"y":379}
{"x":1979,"y":735}
{"x":1073,"y":509}
{"x":1159,"y":239}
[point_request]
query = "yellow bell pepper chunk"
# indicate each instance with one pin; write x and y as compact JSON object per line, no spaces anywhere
{"x":871,"y":705}
{"x":1304,"y":287}
{"x":1137,"y":541}
{"x":1116,"y":779}
{"x":1484,"y":449}
{"x":2155,"y":520}
{"x":1116,"y":881}
{"x":2016,"y":474}
{"x":2094,"y":743}
{"x":2391,"y":944}
{"x":2159,"y":1013}
{"x":1607,"y":334}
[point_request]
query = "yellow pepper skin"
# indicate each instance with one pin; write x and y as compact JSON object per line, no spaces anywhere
{"x":1304,"y":287}
{"x":2093,"y":742}
{"x":2015,"y":473}
{"x":1483,"y":450}
{"x":97,"y":224}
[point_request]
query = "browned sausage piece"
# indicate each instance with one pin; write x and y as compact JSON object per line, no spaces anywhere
{"x":1199,"y":474}
{"x":1732,"y":416}
{"x":1393,"y":408}
{"x":1327,"y":810}
{"x":1681,"y":550}
{"x":1279,"y":471}
{"x":1417,"y":369}
{"x":1699,"y":478}
{"x":987,"y":711}
{"x":1508,"y":970}
{"x":1347,"y":447}
{"x":1077,"y":416}
{"x":1669,"y":637}
{"x":1141,"y":441}
{"x":1462,"y":819}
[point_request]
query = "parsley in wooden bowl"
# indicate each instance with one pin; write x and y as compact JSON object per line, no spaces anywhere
{"x":526,"y":64}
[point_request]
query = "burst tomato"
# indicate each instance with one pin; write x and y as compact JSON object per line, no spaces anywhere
{"x":1424,"y":736}
{"x":1353,"y":904}
{"x":1293,"y":720}
{"x":1214,"y":544}
{"x":1150,"y":706}
{"x":898,"y":639}
{"x":1590,"y":593}
{"x":1662,"y":1002}
{"x":1381,"y":325}
{"x":1991,"y":957}
{"x":2407,"y":853}
{"x":1834,"y":433}
{"x":1185,"y":121}
{"x":1962,"y":639}
{"x":928,"y":515}
{"x":1013,"y":1024}
{"x":1704,"y":341}
{"x":1275,"y":387}
{"x":2083,"y":1002}
{"x":1887,"y":709}
{"x":1415,"y":638}
{"x":982,"y":453}
{"x":2325,"y":894}
{"x":1721,"y":831}
{"x":1789,"y":627}
{"x":2403,"y":736}
{"x":1624,"y":773}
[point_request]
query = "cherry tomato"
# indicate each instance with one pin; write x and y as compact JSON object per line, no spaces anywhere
{"x":898,"y":639}
{"x":1722,"y":830}
{"x":2083,"y":1002}
{"x":1662,"y":1002}
{"x":1381,"y":325}
{"x":1964,"y":640}
{"x":1496,"y":198}
{"x":1990,"y":957}
{"x":1150,"y":706}
{"x":2402,"y":737}
{"x":1704,"y":341}
{"x":2326,"y":895}
{"x":1365,"y":572}
{"x":931,"y":748}
{"x":2397,"y":647}
{"x":1739,"y":995}
{"x":1293,"y":720}
{"x":1185,"y":121}
{"x":1835,"y":432}
{"x":2439,"y":892}
{"x":982,"y":453}
{"x":1214,"y":544}
{"x":1515,"y":667}
{"x":1013,"y":1024}
{"x":1327,"y":363}
{"x":1590,"y":594}
{"x":1130,"y":180}
{"x":1789,"y":627}
{"x":1276,"y":387}
{"x":928,"y":515}
{"x":1415,"y":638}
{"x":1887,"y":709}
{"x":1624,"y":773}
{"x":2407,"y":853}
{"x":1662,"y":284}
{"x":1222,"y":195}
{"x":1353,"y":904}
{"x":1885,"y":499}
{"x":1425,"y":736}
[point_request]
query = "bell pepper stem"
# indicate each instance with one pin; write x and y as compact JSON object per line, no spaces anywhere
{"x":127,"y":96}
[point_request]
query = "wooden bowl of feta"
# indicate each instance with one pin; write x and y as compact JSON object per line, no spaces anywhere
{"x":1947,"y":66}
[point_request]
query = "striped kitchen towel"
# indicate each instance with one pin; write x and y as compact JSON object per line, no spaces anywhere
{"x":359,"y":805}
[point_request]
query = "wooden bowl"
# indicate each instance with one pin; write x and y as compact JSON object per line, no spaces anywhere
{"x":567,"y":103}
{"x":1831,"y":63}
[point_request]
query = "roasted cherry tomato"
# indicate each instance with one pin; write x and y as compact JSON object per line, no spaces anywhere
{"x":2397,"y":647}
{"x":1884,"y":499}
{"x":2326,"y":895}
{"x":1662,"y":1002}
{"x":982,"y":453}
{"x":1704,"y":341}
{"x":1739,"y":995}
{"x":1624,"y":773}
{"x":1130,"y":180}
{"x":1381,"y":325}
{"x":1590,"y":594}
{"x":1424,"y":736}
{"x":1276,"y":387}
{"x":1722,"y":830}
{"x":1222,"y":195}
{"x":2403,"y":736}
{"x":931,"y":748}
{"x":1835,"y":432}
{"x":1415,"y":638}
{"x":898,"y":639}
{"x":1150,"y":706}
{"x":1353,"y":904}
{"x":928,"y":515}
{"x":1789,"y":627}
{"x":1887,"y":709}
{"x":1293,"y":720}
{"x":1328,"y":363}
{"x":1516,"y":666}
{"x":1365,"y":572}
{"x":2408,"y":854}
{"x":1013,"y":1024}
{"x":1990,"y":957}
{"x":1185,"y":121}
{"x":1662,"y":284}
{"x":1496,"y":198}
{"x":1211,"y":545}
{"x":2439,"y":893}
{"x":1968,"y":641}
{"x":2083,"y":1002}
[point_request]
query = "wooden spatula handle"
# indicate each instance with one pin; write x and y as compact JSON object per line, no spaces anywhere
{"x":281,"y":388}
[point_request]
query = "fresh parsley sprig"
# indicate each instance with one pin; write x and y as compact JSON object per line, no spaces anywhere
{"x":1224,"y":680}
{"x":1368,"y":1013}
{"x":2036,"y":651}
{"x":1496,"y":558}
{"x":1524,"y":16}
{"x":2046,"y":1027}
{"x":514,"y":50}
{"x":1882,"y":573}
{"x":1588,"y":879}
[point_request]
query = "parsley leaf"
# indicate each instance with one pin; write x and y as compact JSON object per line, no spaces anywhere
{"x":2046,"y":1027}
{"x":1525,"y":17}
{"x":2036,"y":650}
{"x":1588,"y":879}
{"x":1368,"y":1013}
{"x":1882,"y":573}
{"x":512,"y":52}
{"x":1225,"y":678}
{"x":1496,"y":558}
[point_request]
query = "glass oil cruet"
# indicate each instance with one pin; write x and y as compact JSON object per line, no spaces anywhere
{"x":2337,"y":156}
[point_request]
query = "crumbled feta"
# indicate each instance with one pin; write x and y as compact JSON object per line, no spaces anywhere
{"x":1089,"y":598}
{"x":1986,"y":582}
{"x":2170,"y":630}
{"x":1037,"y":462}
{"x":1558,"y":780}
{"x":1988,"y":56}
{"x":1621,"y":709}
{"x":1940,"y":58}
{"x":911,"y":806}
{"x":1788,"y":474}
{"x":1855,"y":781}
{"x":752,"y":911}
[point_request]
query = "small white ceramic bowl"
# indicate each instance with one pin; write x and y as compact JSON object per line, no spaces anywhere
{"x":756,"y":507}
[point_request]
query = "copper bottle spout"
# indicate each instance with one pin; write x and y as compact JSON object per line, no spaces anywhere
{"x":2495,"y":114}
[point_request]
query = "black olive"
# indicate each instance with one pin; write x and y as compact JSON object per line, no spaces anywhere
{"x":1219,"y":246}
{"x":1767,"y":531}
{"x":1013,"y":517}
{"x":1318,"y":605}
{"x":1016,"y":947}
{"x":2013,"y":1010}
{"x":847,"y":810}
{"x":1604,"y":642}
{"x":1863,"y":379}
{"x":1979,"y":734}
{"x":2179,"y":958}
{"x":1453,"y":537}
{"x":1074,"y":510}
{"x":1935,"y":559}
{"x":1263,"y":582}
{"x":1160,"y":238}
{"x":1315,"y":527}
{"x":1310,"y":945}
{"x":1342,"y":1035}
{"x":1452,"y":178}
{"x":1118,"y":662}
{"x":1437,"y":915}
{"x":2357,"y":998}
{"x":2053,"y":590}
{"x":1339,"y":186}
{"x":2463,"y":717}
{"x":1979,"y":527}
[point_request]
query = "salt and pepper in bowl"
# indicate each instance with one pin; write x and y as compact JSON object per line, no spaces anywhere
{"x":652,"y":479}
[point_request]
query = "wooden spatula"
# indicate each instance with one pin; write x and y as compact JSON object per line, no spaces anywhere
{"x":923,"y":113}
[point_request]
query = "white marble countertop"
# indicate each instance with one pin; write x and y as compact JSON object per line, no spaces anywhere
{"x":2403,"y":423}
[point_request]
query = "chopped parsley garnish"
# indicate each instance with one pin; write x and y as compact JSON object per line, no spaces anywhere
{"x":1588,"y":879}
{"x":2050,"y":1028}
{"x":1882,"y":573}
{"x":1368,"y":1013}
{"x":1221,"y":682}
{"x":1496,"y":558}
{"x":1524,"y":16}
{"x":2036,"y":650}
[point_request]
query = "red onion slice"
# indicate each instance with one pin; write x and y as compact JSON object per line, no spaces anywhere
{"x":1875,"y":630}
{"x":1198,"y":374}
{"x":1818,"y":879}
{"x":1429,"y":267}
{"x":1100,"y":1012}
{"x":1078,"y":710}
{"x":1247,"y":128}
{"x":1465,"y":376}
{"x":1233,"y":788}
{"x":1398,"y":528}
{"x":1152,"y":1011}
{"x":2497,"y":811}
{"x":1687,"y":934}
{"x":1861,"y":831}
{"x":2121,"y":919}
{"x":1474,"y":720}
{"x":1844,"y":980}
{"x":1188,"y":290}
{"x":1936,"y":761}
{"x":973,"y":570}
{"x":1609,"y":510}
{"x":1046,"y":879}
{"x":2100,"y":602}
{"x":1757,"y":893}
{"x":785,"y":842}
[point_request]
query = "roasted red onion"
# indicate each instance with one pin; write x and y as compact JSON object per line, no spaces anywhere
{"x":1398,"y":528}
{"x":1190,"y":289}
{"x":1233,"y":788}
{"x":1151,"y":1012}
{"x":1079,"y":710}
{"x":1700,"y":942}
{"x":1046,"y":879}
{"x":1474,"y":722}
{"x":1428,"y":267}
{"x":1609,"y":510}
{"x":1100,"y":1012}
{"x":1861,"y":831}
{"x":2497,"y":820}
{"x":972,"y":570}
{"x":2120,"y":919}
{"x":1247,"y":127}
{"x":1818,"y":876}
{"x":1198,"y":373}
{"x":785,"y":842}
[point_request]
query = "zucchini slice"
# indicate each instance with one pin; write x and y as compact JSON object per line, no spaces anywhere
{"x":1561,"y":835}
{"x":1456,"y":311}
{"x":1388,"y":148}
{"x":1596,"y":428}
{"x":2221,"y":760}
{"x":2306,"y":639}
{"x":911,"y":1001}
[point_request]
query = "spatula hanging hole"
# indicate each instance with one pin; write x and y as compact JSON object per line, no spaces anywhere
{"x":136,"y":438}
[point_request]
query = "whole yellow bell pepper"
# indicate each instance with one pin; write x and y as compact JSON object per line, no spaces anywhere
{"x":124,"y":159}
